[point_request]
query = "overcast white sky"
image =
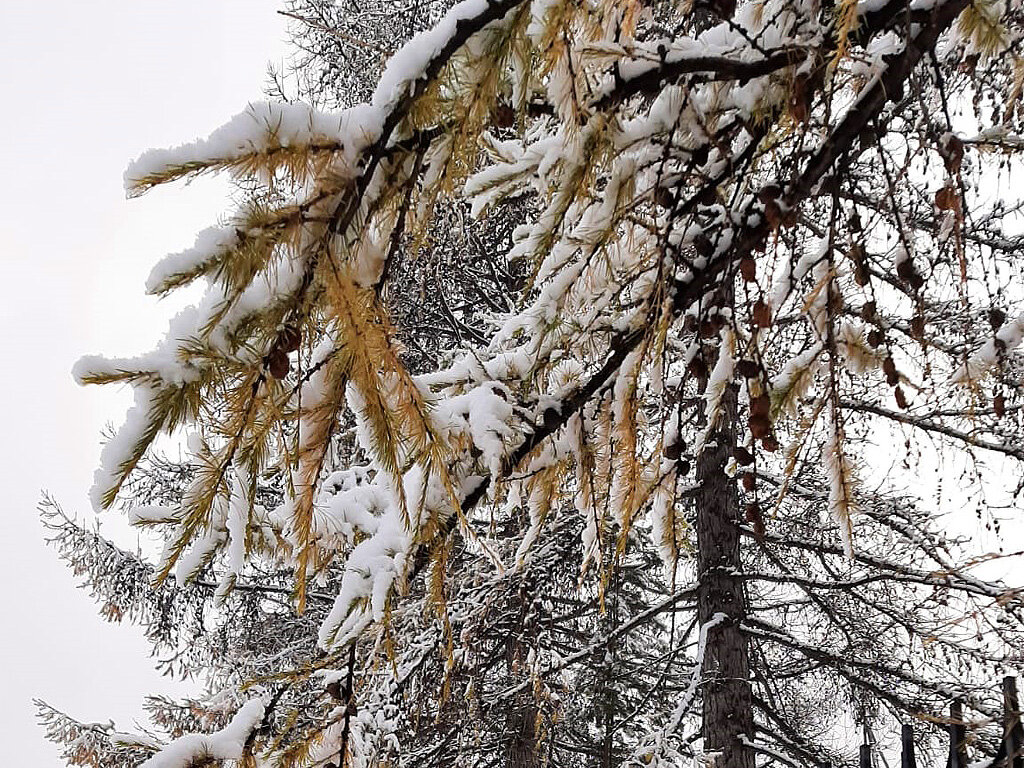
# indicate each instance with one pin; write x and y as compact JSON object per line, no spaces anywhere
{"x":84,"y":88}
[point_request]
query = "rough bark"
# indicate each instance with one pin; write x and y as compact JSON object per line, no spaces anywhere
{"x":726,"y":694}
{"x":522,"y":749}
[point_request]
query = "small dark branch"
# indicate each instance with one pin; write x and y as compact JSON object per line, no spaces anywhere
{"x":349,"y":706}
{"x":870,"y":103}
{"x":927,"y":425}
{"x":715,"y":67}
{"x":403,"y":214}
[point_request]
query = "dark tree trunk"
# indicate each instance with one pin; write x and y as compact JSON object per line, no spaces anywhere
{"x":725,"y":694}
{"x":522,"y":749}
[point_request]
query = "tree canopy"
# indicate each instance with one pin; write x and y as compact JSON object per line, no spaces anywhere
{"x":538,"y":405}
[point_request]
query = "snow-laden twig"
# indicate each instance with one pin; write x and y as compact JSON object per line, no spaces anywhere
{"x":226,"y":744}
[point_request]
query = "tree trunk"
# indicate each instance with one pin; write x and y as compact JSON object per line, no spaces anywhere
{"x":725,"y":695}
{"x":522,"y":749}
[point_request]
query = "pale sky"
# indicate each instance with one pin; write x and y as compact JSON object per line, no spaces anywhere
{"x":84,"y":88}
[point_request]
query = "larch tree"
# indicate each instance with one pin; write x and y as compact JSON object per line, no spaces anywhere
{"x":624,"y":501}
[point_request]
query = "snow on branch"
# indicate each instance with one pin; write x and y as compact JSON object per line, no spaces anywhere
{"x":268,"y":135}
{"x":261,"y":136}
{"x":225,"y":744}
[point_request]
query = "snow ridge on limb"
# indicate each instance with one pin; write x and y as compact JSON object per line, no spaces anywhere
{"x":229,"y":743}
{"x":266,"y":136}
